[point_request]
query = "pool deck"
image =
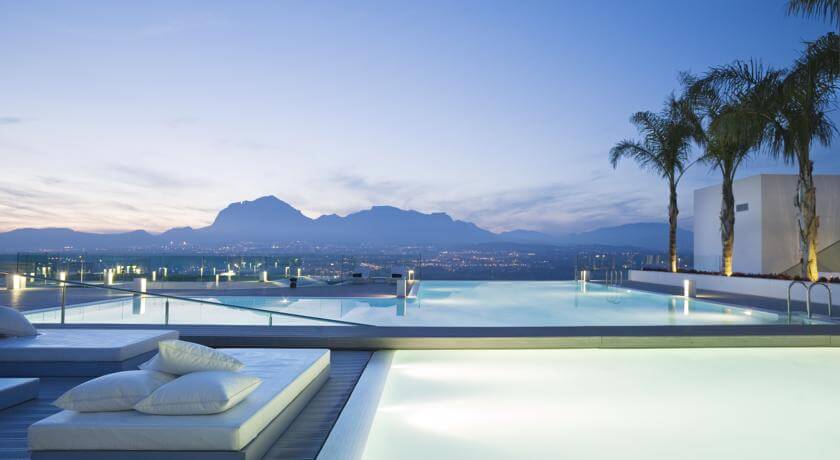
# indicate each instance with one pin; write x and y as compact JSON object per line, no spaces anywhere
{"x":302,"y":440}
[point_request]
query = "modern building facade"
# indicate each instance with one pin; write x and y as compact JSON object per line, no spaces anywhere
{"x":766,"y":229}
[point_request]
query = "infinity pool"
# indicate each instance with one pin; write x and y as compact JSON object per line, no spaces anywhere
{"x":438,"y":304}
{"x":736,"y":403}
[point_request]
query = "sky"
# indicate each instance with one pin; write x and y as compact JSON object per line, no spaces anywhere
{"x":151,"y":115}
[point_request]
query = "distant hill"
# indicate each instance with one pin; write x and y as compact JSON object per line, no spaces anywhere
{"x":648,"y":235}
{"x":269,"y":220}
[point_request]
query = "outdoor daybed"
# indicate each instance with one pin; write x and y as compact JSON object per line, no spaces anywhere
{"x":78,"y":352}
{"x":290,"y":378}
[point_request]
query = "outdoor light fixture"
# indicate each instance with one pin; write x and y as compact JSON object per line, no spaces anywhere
{"x":689,"y":288}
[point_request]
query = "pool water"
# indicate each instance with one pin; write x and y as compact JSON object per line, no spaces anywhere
{"x":438,"y":304}
{"x":735,"y":403}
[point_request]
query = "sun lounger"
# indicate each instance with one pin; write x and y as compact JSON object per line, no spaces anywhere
{"x":290,"y":378}
{"x":15,"y":391}
{"x":78,"y":352}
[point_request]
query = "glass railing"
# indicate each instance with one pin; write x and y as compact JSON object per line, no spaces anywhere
{"x":129,"y":306}
{"x":99,"y":268}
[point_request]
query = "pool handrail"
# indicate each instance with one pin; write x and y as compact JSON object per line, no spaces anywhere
{"x":807,"y":298}
{"x":63,"y":286}
{"x":827,"y":288}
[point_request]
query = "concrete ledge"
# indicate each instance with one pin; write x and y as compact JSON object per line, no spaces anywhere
{"x":761,"y":287}
{"x":419,"y":338}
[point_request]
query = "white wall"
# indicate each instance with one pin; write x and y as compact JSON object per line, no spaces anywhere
{"x":707,"y":228}
{"x":748,"y":235}
{"x":766,"y":235}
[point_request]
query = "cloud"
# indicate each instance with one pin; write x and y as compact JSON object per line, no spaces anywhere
{"x":566,"y":206}
{"x":148,"y":177}
{"x":177,"y":122}
{"x":10,"y":120}
{"x":183,"y":24}
{"x":245,"y":145}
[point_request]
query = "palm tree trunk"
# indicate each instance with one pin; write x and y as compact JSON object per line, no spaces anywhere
{"x":727,"y":222}
{"x":673,"y":212}
{"x":809,"y":222}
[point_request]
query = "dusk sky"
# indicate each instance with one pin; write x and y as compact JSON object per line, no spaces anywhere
{"x":127,"y":115}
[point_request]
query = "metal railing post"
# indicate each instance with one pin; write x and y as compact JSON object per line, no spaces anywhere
{"x":166,"y":313}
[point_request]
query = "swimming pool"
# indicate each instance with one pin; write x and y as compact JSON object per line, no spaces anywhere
{"x":735,"y":403}
{"x":437,"y":304}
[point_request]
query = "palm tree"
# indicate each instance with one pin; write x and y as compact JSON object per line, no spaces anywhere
{"x":828,"y":9}
{"x":664,"y":150}
{"x":788,"y":111}
{"x":710,"y":115}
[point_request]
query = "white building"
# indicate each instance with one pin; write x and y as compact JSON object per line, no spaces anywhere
{"x":766,"y":229}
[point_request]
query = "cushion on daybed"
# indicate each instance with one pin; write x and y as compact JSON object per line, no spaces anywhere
{"x":82,"y":345}
{"x":285,"y":373}
{"x":179,"y":358}
{"x":14,"y":324}
{"x":198,"y":393}
{"x":113,"y":392}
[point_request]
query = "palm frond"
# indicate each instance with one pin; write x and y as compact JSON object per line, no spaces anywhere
{"x":827,"y":9}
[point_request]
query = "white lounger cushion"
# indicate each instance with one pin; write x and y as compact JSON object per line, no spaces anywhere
{"x":14,"y":324}
{"x":81,"y":345}
{"x":284,"y":372}
{"x":199,"y":393}
{"x":179,"y":357}
{"x":113,"y":392}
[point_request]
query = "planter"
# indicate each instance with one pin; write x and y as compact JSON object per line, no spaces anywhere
{"x":777,"y":289}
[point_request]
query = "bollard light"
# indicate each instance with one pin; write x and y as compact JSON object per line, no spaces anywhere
{"x":140,"y":284}
{"x":689,"y":288}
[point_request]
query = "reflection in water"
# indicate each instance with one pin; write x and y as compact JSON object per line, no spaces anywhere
{"x":401,"y":303}
{"x":138,"y":305}
{"x":685,"y":307}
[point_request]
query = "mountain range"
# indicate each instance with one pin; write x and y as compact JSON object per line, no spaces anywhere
{"x":269,"y":220}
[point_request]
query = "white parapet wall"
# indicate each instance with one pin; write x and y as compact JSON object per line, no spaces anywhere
{"x":777,"y":289}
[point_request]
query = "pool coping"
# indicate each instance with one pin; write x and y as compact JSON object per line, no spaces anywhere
{"x":417,"y":338}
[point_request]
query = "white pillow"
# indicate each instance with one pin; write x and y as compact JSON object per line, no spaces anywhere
{"x":112,"y":392}
{"x":13,"y":323}
{"x":179,"y":358}
{"x":199,"y":393}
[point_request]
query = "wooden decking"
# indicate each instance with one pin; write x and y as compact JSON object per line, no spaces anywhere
{"x":302,"y":440}
{"x":16,"y":419}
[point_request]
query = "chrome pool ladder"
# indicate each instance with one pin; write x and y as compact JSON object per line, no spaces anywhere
{"x":808,"y":296}
{"x":827,"y":288}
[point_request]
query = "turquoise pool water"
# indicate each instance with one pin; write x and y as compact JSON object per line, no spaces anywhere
{"x":439,"y":304}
